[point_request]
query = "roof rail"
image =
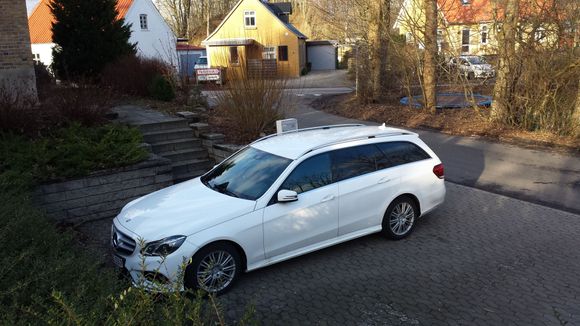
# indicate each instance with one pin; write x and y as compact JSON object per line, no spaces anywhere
{"x":387,"y":134}
{"x":309,"y":129}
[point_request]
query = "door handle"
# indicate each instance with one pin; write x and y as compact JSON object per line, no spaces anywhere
{"x":384,"y":180}
{"x":327,"y":198}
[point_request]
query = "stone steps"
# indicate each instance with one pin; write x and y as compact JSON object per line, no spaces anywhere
{"x":165,"y":135}
{"x":163,"y":125}
{"x":174,"y":140}
{"x":187,"y":170}
{"x":176,"y":145}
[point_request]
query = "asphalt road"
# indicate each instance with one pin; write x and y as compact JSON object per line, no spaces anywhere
{"x":480,"y":259}
{"x":543,"y":177}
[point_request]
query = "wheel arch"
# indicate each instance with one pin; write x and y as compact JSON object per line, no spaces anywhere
{"x":234,"y":244}
{"x":412,"y":197}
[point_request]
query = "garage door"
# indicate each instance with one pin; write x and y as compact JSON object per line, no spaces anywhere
{"x":322,"y":57}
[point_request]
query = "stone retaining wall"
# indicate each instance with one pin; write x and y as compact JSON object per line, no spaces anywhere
{"x":103,"y":194}
{"x":214,"y":142}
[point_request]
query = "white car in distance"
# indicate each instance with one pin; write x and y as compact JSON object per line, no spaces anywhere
{"x":282,"y":196}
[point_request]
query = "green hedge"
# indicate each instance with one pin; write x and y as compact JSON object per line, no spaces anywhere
{"x":69,"y":152}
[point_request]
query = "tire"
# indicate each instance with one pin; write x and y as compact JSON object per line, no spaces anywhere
{"x":214,"y":269}
{"x":470,"y":75}
{"x":400,"y":217}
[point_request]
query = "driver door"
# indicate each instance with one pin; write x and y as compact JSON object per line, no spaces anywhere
{"x":313,"y":218}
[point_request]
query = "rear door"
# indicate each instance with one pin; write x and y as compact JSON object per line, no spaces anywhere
{"x":364,"y":186}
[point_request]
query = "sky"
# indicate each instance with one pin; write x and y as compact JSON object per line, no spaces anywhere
{"x":30,"y":5}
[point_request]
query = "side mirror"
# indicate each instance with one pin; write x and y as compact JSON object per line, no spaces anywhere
{"x":286,"y":196}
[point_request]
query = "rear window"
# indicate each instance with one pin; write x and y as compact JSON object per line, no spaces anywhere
{"x":397,"y":153}
{"x":354,"y":161}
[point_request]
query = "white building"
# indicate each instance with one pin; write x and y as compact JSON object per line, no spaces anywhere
{"x":149,"y":31}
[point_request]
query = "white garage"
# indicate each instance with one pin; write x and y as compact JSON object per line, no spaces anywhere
{"x":322,"y":55}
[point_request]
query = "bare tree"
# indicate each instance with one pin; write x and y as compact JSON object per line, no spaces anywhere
{"x":504,"y":87}
{"x":379,"y":30}
{"x":430,"y":55}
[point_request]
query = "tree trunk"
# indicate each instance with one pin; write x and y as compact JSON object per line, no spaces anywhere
{"x":503,"y":89}
{"x":208,"y":16}
{"x":576,"y":114}
{"x":380,"y":26}
{"x":430,"y":55}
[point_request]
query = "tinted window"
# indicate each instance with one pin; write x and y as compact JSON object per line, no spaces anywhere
{"x":355,"y":161}
{"x":397,"y":153}
{"x":313,"y":173}
{"x":246,"y":175}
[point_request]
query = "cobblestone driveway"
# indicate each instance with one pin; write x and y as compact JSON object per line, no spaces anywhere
{"x":481,"y":259}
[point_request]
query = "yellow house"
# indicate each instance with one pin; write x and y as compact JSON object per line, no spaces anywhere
{"x":256,"y":38}
{"x":472,"y":26}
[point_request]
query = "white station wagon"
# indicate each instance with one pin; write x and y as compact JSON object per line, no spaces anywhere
{"x":282,"y":196}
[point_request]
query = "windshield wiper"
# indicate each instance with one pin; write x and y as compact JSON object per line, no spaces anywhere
{"x":223,"y":188}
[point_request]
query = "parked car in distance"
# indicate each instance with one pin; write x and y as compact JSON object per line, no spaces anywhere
{"x":201,"y":63}
{"x":471,"y":66}
{"x":280,"y":197}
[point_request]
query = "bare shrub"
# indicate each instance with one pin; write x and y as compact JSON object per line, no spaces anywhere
{"x":250,"y":107}
{"x":133,"y":75}
{"x":17,"y":113}
{"x":85,"y":104}
{"x":546,"y":91}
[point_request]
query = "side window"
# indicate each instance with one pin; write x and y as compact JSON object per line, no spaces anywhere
{"x":313,"y":173}
{"x":354,"y":161}
{"x":397,"y":153}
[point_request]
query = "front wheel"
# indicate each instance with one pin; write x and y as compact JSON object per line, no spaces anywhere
{"x":400,"y":217}
{"x":214,"y":269}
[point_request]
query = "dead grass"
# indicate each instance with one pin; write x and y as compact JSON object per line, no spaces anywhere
{"x":461,"y":122}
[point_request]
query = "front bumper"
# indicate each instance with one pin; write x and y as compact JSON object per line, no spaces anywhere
{"x":484,"y":74}
{"x":155,"y":273}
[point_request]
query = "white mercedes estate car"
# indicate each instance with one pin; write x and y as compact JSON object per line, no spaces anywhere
{"x":282,"y":196}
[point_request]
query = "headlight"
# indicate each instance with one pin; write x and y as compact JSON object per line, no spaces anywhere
{"x":163,"y":247}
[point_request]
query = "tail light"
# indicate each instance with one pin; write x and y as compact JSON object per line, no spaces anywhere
{"x":439,"y":171}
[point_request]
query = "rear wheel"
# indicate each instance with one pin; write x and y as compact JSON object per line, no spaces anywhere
{"x":471,"y":75}
{"x":214,"y":269}
{"x":399,"y":220}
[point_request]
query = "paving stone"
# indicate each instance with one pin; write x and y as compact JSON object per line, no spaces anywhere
{"x":480,"y":259}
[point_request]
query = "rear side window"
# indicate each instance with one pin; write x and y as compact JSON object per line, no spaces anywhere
{"x":314,"y":172}
{"x":354,"y":161}
{"x":397,"y":153}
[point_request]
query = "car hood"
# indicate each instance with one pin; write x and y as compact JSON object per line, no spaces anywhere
{"x":183,"y":209}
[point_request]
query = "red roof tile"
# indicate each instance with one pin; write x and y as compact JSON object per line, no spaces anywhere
{"x":476,"y":11}
{"x":40,"y":22}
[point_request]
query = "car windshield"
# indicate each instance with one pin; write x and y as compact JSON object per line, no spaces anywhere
{"x":476,"y":60}
{"x":202,"y":61}
{"x":246,"y":175}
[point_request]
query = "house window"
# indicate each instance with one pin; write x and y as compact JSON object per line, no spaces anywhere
{"x":250,"y":19}
{"x":143,"y":22}
{"x":234,"y":56}
{"x":269,"y":52}
{"x":36,"y":57}
{"x":283,"y":53}
{"x":465,"y":41}
{"x":409,"y":37}
{"x":484,"y":35}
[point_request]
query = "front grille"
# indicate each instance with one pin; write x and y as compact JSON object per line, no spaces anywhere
{"x":122,"y":243}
